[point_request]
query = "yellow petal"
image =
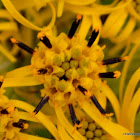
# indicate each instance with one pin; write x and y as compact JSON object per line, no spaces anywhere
{"x":81,"y":2}
{"x":133,"y":108}
{"x":85,"y":26}
{"x":128,"y":96}
{"x":70,"y":129}
{"x":60,"y":8}
{"x":115,"y":130}
{"x":10,"y":26}
{"x":112,"y":98}
{"x":64,"y":135}
{"x":24,"y":136}
{"x":11,"y":9}
{"x":7,"y":54}
{"x":40,"y":116}
{"x":22,"y":81}
{"x":124,"y":71}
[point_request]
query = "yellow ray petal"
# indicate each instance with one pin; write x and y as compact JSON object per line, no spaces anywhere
{"x":11,"y":9}
{"x":128,"y":95}
{"x":124,"y":71}
{"x":126,"y":31}
{"x":112,"y":98}
{"x":134,"y":105}
{"x":24,"y":136}
{"x":64,"y":135}
{"x":10,"y":26}
{"x":70,"y":129}
{"x":40,"y":116}
{"x":20,"y":72}
{"x":81,"y":2}
{"x":7,"y":54}
{"x":22,"y":81}
{"x":115,"y":130}
{"x":60,"y":8}
{"x":85,"y":26}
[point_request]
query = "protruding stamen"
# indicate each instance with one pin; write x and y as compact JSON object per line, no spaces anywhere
{"x":1,"y":81}
{"x":93,"y":37}
{"x":4,"y":111}
{"x":22,"y":46}
{"x":83,"y":90}
{"x":41,"y":104}
{"x":72,"y":113}
{"x":21,"y":125}
{"x":74,"y":26}
{"x":42,"y":37}
{"x":114,"y":60}
{"x":42,"y":71}
{"x":94,"y":100}
{"x":115,"y":74}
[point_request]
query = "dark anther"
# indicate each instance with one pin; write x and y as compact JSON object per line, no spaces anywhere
{"x":114,"y":60}
{"x":41,"y":104}
{"x":93,"y":37}
{"x":94,"y":100}
{"x":4,"y":111}
{"x":42,"y":71}
{"x":42,"y":37}
{"x":1,"y":84}
{"x":22,"y":46}
{"x":115,"y":74}
{"x":74,"y":26}
{"x":64,"y":78}
{"x":72,"y":113}
{"x":82,"y":89}
{"x":20,"y":125}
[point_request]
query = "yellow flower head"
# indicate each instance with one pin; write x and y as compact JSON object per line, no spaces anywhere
{"x":9,"y":120}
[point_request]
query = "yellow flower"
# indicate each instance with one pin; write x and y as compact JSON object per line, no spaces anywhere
{"x":71,"y":70}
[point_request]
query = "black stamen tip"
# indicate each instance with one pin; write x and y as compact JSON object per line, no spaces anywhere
{"x":42,"y":37}
{"x":4,"y":111}
{"x":1,"y":84}
{"x":42,"y":71}
{"x":93,"y":37}
{"x":22,"y":46}
{"x":94,"y":100}
{"x":41,"y":104}
{"x":74,"y":26}
{"x":20,"y":125}
{"x":72,"y":113}
{"x":83,"y":90}
{"x":115,"y":74}
{"x":111,"y":61}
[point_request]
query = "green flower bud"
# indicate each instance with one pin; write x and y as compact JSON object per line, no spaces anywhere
{"x":67,"y":56}
{"x":103,"y":131}
{"x":83,"y":62}
{"x":73,"y":64}
{"x":82,"y":131}
{"x":54,"y":79}
{"x":68,"y":73}
{"x":84,"y":124}
{"x":92,"y":126}
{"x":75,"y":54}
{"x":60,"y":73}
{"x":89,"y":134}
{"x":62,"y":85}
{"x":98,"y":133}
{"x":57,"y":61}
{"x":65,"y":65}
{"x":81,"y":72}
{"x":104,"y":137}
{"x":97,"y":125}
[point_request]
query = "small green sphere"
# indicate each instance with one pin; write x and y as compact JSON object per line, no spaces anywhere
{"x":82,"y":131}
{"x":54,"y":79}
{"x":62,"y":85}
{"x":83,"y":63}
{"x":92,"y":126}
{"x":104,"y":137}
{"x":65,"y":65}
{"x":84,"y":124}
{"x":73,"y":64}
{"x":97,"y":125}
{"x":60,"y":73}
{"x":57,"y":61}
{"x":68,"y":73}
{"x":89,"y":134}
{"x":81,"y":72}
{"x":98,"y":133}
{"x":75,"y":54}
